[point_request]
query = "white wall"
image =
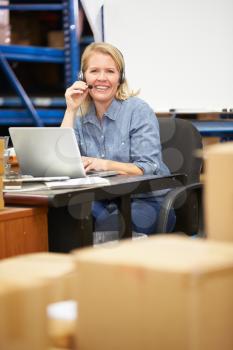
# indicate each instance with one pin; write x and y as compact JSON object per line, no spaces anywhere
{"x":179,"y":52}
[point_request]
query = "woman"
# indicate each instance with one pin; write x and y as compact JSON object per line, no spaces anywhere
{"x":116,"y":131}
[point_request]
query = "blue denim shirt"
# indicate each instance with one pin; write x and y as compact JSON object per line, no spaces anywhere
{"x":128,"y":132}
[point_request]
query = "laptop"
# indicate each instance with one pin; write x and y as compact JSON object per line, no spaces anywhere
{"x":49,"y":152}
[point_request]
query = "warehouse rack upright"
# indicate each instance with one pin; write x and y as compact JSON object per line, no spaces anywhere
{"x":53,"y":108}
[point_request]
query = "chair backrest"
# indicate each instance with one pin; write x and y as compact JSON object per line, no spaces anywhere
{"x":179,"y":140}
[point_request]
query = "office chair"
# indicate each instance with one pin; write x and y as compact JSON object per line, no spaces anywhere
{"x":179,"y":140}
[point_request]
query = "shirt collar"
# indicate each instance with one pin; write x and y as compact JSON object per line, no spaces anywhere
{"x":111,"y":113}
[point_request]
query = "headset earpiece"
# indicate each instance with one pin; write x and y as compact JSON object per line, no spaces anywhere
{"x":122,"y":77}
{"x":81,"y":76}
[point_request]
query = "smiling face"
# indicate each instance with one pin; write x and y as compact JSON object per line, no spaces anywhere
{"x":103,"y":75}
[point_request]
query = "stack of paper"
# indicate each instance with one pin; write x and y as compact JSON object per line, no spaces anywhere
{"x":80,"y":182}
{"x":1,"y":171}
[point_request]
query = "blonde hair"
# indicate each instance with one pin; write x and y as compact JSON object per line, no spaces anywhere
{"x":123,"y":91}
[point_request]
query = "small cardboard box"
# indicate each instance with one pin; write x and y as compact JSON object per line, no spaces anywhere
{"x":56,"y":38}
{"x":4,"y":24}
{"x":23,"y":315}
{"x":28,"y":283}
{"x":219,"y":191}
{"x":159,"y":293}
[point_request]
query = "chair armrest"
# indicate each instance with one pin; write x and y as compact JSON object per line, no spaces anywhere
{"x":174,"y":199}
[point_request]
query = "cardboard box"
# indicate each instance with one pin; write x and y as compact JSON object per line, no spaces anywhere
{"x":56,"y":39}
{"x":219,"y":191}
{"x":23,"y":315}
{"x":4,"y":24}
{"x":58,"y":269}
{"x":4,"y":14}
{"x":27,"y":285}
{"x":4,"y":34}
{"x":26,"y":29}
{"x":159,"y":293}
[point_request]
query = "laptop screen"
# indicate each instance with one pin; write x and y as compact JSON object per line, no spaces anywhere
{"x":47,"y":151}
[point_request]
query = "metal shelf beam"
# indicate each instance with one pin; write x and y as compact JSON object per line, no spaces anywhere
{"x":23,"y":117}
{"x":45,"y":102}
{"x":35,"y":7}
{"x":32,"y":54}
{"x":214,"y":128}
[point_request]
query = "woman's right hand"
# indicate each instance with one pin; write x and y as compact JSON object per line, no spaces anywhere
{"x":75,"y":95}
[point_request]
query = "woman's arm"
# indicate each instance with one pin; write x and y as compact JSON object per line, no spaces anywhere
{"x":106,"y":164}
{"x":68,"y":120}
{"x":74,"y":95}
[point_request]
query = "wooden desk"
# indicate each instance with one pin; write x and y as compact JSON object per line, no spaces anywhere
{"x":69,"y":215}
{"x":23,"y":230}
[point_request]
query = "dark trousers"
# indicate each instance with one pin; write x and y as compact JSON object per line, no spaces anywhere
{"x":144,"y":214}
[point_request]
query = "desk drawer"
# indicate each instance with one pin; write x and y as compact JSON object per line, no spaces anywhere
{"x":23,"y":230}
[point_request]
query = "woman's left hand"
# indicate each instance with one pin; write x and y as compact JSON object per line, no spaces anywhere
{"x":95,"y":164}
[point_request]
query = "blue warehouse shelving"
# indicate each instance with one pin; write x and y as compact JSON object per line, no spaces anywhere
{"x":26,"y":111}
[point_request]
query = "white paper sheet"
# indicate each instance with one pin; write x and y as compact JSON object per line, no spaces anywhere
{"x":80,"y":182}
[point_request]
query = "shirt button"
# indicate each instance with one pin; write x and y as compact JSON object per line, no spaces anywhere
{"x":122,"y":143}
{"x":102,"y":136}
{"x":102,"y":155}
